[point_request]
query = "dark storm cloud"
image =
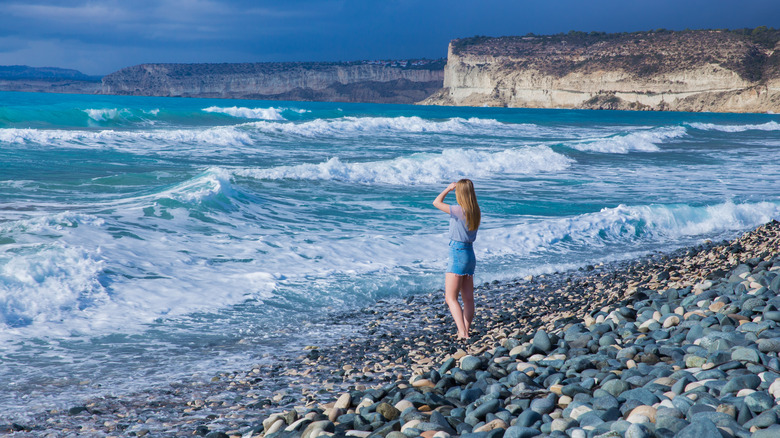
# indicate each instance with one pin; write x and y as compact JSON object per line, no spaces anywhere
{"x":101,"y":36}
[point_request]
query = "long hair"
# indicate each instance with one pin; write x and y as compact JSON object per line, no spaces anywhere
{"x":467,"y":199}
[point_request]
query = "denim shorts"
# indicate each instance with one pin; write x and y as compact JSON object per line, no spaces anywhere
{"x":462,"y":258}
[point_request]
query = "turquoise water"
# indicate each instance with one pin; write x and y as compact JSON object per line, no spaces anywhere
{"x":146,"y":239}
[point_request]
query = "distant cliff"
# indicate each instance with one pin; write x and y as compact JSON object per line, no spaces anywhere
{"x":703,"y":70}
{"x":46,"y":80}
{"x":363,"y":81}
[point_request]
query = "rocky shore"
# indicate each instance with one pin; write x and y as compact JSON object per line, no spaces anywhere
{"x":683,"y":344}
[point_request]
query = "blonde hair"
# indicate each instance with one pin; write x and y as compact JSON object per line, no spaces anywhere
{"x":467,"y":199}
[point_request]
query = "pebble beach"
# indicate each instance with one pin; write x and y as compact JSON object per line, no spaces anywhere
{"x":682,"y":344}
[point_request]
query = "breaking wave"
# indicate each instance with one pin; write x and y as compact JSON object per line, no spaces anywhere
{"x":389,"y":125}
{"x":636,"y":141}
{"x":422,"y":168}
{"x":768,"y":126}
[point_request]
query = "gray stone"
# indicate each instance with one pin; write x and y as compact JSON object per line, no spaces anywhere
{"x":698,"y":409}
{"x":748,"y":381}
{"x":670,"y":423}
{"x":762,"y":421}
{"x":642,"y":395}
{"x":573,"y":389}
{"x":488,"y":407}
{"x":771,"y":432}
{"x":620,"y":426}
{"x":590,"y":420}
{"x":543,"y":405}
{"x":759,"y":401}
{"x":626,"y":353}
{"x":605,"y":402}
{"x":752,"y":303}
{"x":562,"y":424}
{"x":542,"y":341}
{"x":769,"y":345}
{"x":772,"y":315}
{"x":615,"y":387}
{"x":700,"y":429}
{"x":774,"y":286}
{"x":527,"y":418}
{"x":468,"y":396}
{"x":521,"y":432}
{"x":720,"y":419}
{"x":607,"y":340}
{"x":470,"y":363}
{"x":637,"y":430}
{"x":428,"y":425}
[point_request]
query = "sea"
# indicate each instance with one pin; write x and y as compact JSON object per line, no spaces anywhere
{"x":148,"y":240}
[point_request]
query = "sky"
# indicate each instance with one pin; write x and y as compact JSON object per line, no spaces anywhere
{"x":99,"y":37}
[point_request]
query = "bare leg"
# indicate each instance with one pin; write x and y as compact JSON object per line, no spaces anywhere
{"x":467,"y":295}
{"x":452,"y":285}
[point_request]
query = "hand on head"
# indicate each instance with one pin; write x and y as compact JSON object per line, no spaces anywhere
{"x":452,"y":186}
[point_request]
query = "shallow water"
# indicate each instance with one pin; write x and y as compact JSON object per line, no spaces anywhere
{"x":146,"y":239}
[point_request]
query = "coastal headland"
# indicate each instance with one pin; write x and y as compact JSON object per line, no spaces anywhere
{"x":661,"y":70}
{"x":692,"y":70}
{"x":683,"y":344}
{"x":405,"y":81}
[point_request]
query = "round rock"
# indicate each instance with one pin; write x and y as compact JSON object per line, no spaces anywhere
{"x":470,"y":363}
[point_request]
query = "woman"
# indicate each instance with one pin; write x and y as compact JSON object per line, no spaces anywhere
{"x":459,"y":279}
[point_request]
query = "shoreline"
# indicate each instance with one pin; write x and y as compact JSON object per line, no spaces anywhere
{"x":402,"y":344}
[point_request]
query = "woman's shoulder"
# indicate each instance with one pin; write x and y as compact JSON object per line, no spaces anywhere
{"x":457,"y":210}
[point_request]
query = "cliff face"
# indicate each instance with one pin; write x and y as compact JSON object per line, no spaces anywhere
{"x":343,"y":82}
{"x":679,"y":71}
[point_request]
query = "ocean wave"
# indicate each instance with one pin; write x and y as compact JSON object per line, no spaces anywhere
{"x":629,"y":224}
{"x":105,"y":114}
{"x":768,"y":126}
{"x":49,"y":286}
{"x":636,"y":141}
{"x":213,"y":184}
{"x":394,"y":125}
{"x":220,"y":136}
{"x":248,"y":113}
{"x":255,"y":113}
{"x":122,"y":116}
{"x":422,"y":168}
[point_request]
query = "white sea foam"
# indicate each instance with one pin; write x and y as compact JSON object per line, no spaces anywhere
{"x":150,"y":140}
{"x":208,"y":185}
{"x":635,"y":141}
{"x":54,"y":280}
{"x":105,"y":114}
{"x":391,"y":125}
{"x":768,"y":126}
{"x":423,"y":168}
{"x":623,"y":223}
{"x":47,"y":286}
{"x":248,"y":113}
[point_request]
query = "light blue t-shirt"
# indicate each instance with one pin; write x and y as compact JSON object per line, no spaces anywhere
{"x":458,"y":230}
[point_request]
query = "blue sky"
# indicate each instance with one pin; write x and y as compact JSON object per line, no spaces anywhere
{"x":98,"y":37}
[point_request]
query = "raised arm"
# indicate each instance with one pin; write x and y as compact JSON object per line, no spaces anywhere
{"x":439,"y":201}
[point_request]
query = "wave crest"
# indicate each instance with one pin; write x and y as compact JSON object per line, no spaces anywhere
{"x":220,"y":136}
{"x":624,"y":224}
{"x":391,"y":125}
{"x":768,"y":126}
{"x":636,"y":141}
{"x":248,"y":113}
{"x":423,"y":168}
